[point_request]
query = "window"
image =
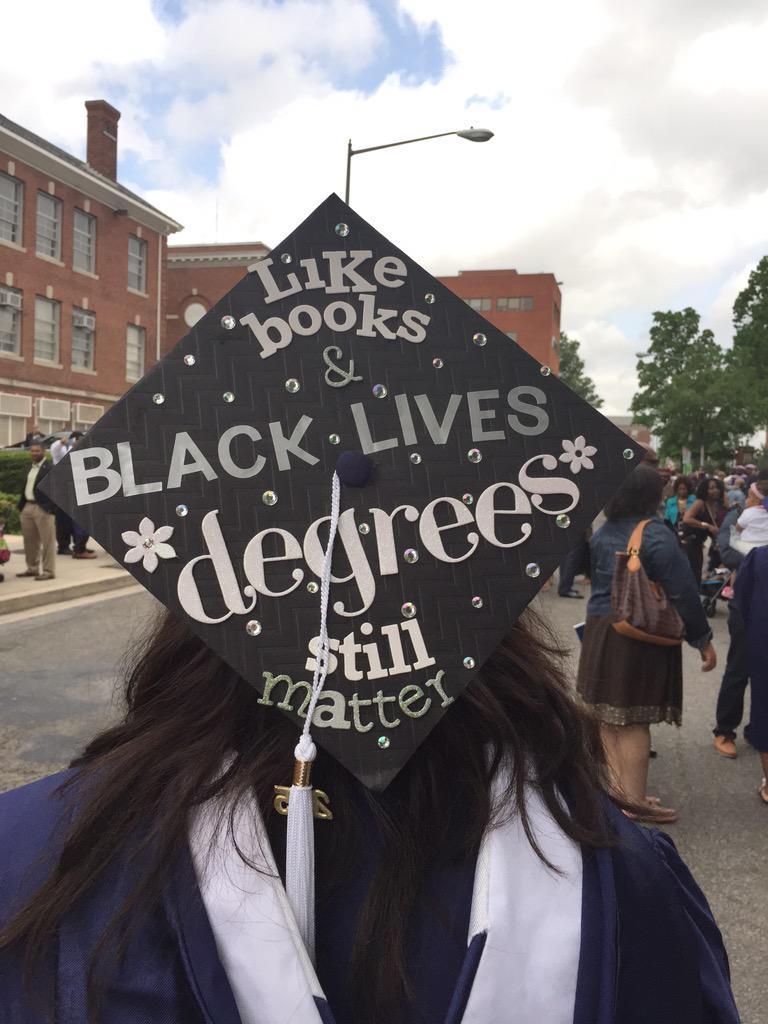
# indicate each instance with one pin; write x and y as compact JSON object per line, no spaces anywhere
{"x":11,"y":202}
{"x":10,"y":322}
{"x":481,"y":304}
{"x":137,"y":264}
{"x":135,"y":343}
{"x":512,"y":335}
{"x":83,"y":331}
{"x":53,"y":415}
{"x":84,"y":242}
{"x":47,"y":321}
{"x":15,"y":410}
{"x":195,"y":311}
{"x":513,"y":304}
{"x":48,"y":241}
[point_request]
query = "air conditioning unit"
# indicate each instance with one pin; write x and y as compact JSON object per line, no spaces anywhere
{"x":82,"y":413}
{"x":53,"y":409}
{"x":9,"y":297}
{"x":15,"y":405}
{"x":86,"y":320}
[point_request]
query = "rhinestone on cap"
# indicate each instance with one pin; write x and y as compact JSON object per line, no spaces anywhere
{"x":382,"y":742}
{"x":342,"y":230}
{"x":545,"y":371}
{"x":379,"y":391}
{"x":628,"y":454}
{"x":438,"y":363}
{"x":477,"y":602}
{"x":563,"y":521}
{"x":182,"y":510}
{"x":228,"y":322}
{"x":158,"y":399}
{"x":189,"y":359}
{"x":285,"y":258}
{"x":292,"y":386}
{"x":313,"y":587}
{"x":408,"y":609}
{"x":269,"y":498}
{"x":364,"y":528}
{"x":411,"y":555}
{"x":475,"y":455}
{"x":479,"y":339}
{"x":429,"y":298}
{"x":467,"y":499}
{"x":468,"y":662}
{"x":334,"y":439}
{"x":415,"y":458}
{"x":253,"y":628}
{"x":228,"y":396}
{"x":533,"y":570}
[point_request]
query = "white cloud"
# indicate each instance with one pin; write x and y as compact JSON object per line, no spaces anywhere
{"x":629,"y":155}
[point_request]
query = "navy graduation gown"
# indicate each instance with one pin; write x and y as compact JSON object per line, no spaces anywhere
{"x":650,"y":949}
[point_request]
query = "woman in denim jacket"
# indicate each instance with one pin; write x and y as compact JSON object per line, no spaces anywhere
{"x":630,"y":683}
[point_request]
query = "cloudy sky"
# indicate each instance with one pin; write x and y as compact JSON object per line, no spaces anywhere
{"x":630,"y":157}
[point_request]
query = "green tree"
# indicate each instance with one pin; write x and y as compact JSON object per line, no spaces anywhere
{"x":691,"y":394}
{"x":572,"y":372}
{"x":750,"y":339}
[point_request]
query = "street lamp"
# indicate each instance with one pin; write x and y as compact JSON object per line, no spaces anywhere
{"x":472,"y":134}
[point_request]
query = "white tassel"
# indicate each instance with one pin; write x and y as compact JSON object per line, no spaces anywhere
{"x":300,"y":836}
{"x":300,"y":846}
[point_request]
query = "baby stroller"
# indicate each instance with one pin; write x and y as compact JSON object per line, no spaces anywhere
{"x":711,"y":588}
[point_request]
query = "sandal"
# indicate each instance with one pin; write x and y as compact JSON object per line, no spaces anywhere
{"x":763,"y":791}
{"x":655,"y":815}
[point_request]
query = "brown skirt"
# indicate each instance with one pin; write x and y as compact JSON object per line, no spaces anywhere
{"x":629,"y":682}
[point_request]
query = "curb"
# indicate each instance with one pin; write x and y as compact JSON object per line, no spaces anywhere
{"x":66,"y":592}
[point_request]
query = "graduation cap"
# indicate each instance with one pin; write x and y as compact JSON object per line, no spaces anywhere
{"x":467,"y":470}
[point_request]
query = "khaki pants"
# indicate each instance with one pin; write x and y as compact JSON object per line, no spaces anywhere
{"x":39,"y":531}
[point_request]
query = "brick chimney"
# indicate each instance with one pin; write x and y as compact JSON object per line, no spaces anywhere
{"x":101,"y":151}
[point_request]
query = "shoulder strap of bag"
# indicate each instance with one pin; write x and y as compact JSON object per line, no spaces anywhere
{"x":634,"y":544}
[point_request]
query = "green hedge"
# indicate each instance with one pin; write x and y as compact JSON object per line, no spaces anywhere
{"x":9,"y":513}
{"x":14,"y":466}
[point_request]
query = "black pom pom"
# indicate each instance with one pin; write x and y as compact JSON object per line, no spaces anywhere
{"x":354,"y":469}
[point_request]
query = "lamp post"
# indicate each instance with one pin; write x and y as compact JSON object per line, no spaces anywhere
{"x":472,"y":134}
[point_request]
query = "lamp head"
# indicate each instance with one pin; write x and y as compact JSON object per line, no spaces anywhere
{"x":475,"y":134}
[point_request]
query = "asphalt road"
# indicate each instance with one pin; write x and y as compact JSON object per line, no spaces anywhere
{"x":57,"y":688}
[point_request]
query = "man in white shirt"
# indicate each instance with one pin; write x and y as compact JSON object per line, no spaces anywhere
{"x":37,"y":520}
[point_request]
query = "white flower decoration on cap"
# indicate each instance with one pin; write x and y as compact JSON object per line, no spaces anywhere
{"x":577,"y":453}
{"x":148,"y":545}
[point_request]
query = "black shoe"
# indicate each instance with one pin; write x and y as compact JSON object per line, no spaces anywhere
{"x":64,"y":551}
{"x":570,"y":593}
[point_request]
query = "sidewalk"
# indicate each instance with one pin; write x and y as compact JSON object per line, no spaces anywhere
{"x":74,"y":578}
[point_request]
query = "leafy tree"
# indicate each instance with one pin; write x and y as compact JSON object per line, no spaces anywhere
{"x":572,"y":372}
{"x":750,"y":339}
{"x":691,"y":392}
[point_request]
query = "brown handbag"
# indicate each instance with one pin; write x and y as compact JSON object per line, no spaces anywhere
{"x":642,"y":609}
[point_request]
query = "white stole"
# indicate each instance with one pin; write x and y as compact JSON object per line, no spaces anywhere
{"x":531,"y":918}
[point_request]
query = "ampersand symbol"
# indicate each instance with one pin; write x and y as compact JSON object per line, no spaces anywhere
{"x":344,"y":376}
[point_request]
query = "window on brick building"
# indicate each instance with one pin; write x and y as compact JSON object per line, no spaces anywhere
{"x":48,"y":241}
{"x":10,"y":322}
{"x":11,"y":207}
{"x":84,"y":242}
{"x":137,"y":264}
{"x":135,"y":345}
{"x":47,"y":330}
{"x":483,"y":305}
{"x":83,"y":338}
{"x":514,"y":304}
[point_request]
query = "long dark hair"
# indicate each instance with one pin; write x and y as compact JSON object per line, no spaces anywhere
{"x":187,"y":711}
{"x":639,"y":495}
{"x":702,"y":491}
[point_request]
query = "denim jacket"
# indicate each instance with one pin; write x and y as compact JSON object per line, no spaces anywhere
{"x":664,"y":563}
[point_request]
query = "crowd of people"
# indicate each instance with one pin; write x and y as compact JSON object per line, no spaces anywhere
{"x":47,"y":530}
{"x":669,"y":523}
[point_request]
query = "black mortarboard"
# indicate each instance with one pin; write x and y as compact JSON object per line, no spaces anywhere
{"x":467,"y":472}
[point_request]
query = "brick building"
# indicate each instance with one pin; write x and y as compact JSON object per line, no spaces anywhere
{"x":198,"y":276}
{"x":82,"y":279}
{"x":525,"y":306}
